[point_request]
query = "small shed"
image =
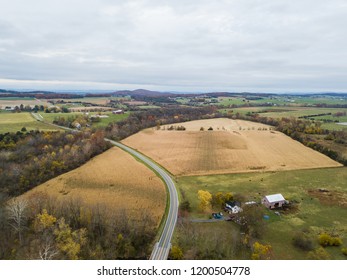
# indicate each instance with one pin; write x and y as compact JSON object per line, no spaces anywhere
{"x":118,"y":112}
{"x":273,"y":201}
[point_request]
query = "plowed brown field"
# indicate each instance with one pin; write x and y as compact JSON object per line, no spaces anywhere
{"x":234,"y":146}
{"x":114,"y":179}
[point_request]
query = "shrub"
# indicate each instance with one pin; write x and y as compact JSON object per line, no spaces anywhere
{"x":261,"y":252}
{"x":344,"y":251}
{"x":324,"y":239}
{"x":318,"y":254}
{"x":335,"y":241}
{"x":327,"y":240}
{"x":176,"y":253}
{"x":303,"y":242}
{"x":185,"y":206}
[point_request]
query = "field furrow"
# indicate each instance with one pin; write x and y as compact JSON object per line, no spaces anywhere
{"x":232,"y":146}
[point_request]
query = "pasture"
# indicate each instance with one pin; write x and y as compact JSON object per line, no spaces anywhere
{"x":329,"y":120}
{"x":111,"y":118}
{"x":13,"y":122}
{"x":283,"y":100}
{"x":50,"y":117}
{"x":115,"y":180}
{"x":317,"y":211}
{"x":233,"y":146}
{"x":77,"y":101}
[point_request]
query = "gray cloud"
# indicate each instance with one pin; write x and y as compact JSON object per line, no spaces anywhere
{"x":273,"y":45}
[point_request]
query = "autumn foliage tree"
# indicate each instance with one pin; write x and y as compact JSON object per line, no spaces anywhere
{"x":176,"y":253}
{"x":220,"y":198}
{"x":204,"y":200}
{"x":261,"y":251}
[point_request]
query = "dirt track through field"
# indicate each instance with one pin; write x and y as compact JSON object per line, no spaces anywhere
{"x":233,"y":146}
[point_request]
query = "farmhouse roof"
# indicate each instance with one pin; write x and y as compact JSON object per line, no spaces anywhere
{"x":233,"y":203}
{"x":274,"y":197}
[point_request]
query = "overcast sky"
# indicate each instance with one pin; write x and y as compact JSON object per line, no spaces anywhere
{"x":179,"y":45}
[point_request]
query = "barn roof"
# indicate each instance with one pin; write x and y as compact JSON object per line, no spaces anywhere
{"x":275,"y":197}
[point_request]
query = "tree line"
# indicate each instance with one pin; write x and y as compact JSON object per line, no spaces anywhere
{"x":156,"y":117}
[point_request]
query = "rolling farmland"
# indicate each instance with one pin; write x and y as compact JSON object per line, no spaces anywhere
{"x":234,"y":146}
{"x":13,"y":122}
{"x":17,"y":101}
{"x":113,"y":179}
{"x":316,"y":211}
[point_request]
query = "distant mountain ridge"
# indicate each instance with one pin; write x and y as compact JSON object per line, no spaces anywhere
{"x":144,"y":92}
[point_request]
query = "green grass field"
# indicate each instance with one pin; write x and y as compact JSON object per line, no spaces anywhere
{"x":296,"y":112}
{"x":13,"y":122}
{"x":316,"y":212}
{"x":148,"y":107}
{"x":49,"y":117}
{"x":304,"y":111}
{"x":281,"y":100}
{"x":112,"y":118}
{"x":16,"y":98}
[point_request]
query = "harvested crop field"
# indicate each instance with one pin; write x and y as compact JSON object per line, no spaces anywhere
{"x":115,"y":180}
{"x":233,"y":146}
{"x":12,"y":102}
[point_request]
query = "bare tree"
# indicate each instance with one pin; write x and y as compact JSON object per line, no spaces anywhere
{"x":16,"y":215}
{"x":47,"y":250}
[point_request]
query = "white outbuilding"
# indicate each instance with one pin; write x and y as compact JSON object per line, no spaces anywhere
{"x":274,"y":201}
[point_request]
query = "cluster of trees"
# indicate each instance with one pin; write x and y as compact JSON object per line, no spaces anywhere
{"x":173,"y":127}
{"x":56,"y":109}
{"x":43,"y":227}
{"x":37,"y":108}
{"x":28,"y":108}
{"x":72,"y":120}
{"x":8,"y":140}
{"x":340,"y":114}
{"x":314,"y":115}
{"x":27,"y":160}
{"x":195,"y":242}
{"x":207,"y":201}
{"x":151,"y":118}
{"x":160,"y":100}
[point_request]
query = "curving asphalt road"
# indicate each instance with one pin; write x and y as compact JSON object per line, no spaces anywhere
{"x":162,"y":248}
